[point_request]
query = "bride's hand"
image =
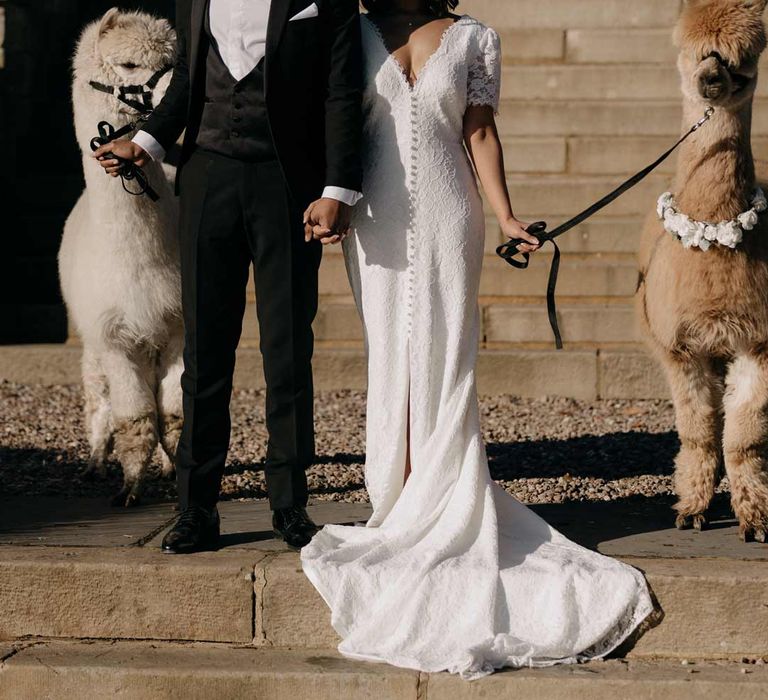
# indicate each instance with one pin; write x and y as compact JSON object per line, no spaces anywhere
{"x":512,"y":228}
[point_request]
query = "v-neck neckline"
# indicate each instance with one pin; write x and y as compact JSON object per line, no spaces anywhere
{"x":396,"y":61}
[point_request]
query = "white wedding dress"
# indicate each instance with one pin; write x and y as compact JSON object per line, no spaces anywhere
{"x":451,"y":572}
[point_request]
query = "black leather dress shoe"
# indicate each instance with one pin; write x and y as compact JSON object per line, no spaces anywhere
{"x":196,"y":530}
{"x":294,"y":526}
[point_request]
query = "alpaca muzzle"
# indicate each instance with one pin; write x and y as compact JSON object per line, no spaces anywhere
{"x":139,"y":97}
{"x":717,"y":79}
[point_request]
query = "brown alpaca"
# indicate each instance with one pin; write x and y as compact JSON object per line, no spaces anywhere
{"x":705,"y":312}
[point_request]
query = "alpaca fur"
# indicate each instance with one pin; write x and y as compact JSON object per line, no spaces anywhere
{"x":119,"y":264}
{"x":705,"y":314}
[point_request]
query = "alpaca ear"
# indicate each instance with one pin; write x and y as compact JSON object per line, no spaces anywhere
{"x":758,"y":5}
{"x":108,"y":21}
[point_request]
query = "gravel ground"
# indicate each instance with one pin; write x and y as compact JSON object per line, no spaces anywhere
{"x":540,"y":450}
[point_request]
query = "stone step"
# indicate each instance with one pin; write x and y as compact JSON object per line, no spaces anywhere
{"x":578,"y":46}
{"x":618,"y":155}
{"x":562,"y":14}
{"x":597,"y":82}
{"x":569,"y":194}
{"x":501,"y":323}
{"x":146,"y":671}
{"x":591,"y":240}
{"x":524,"y":117}
{"x":599,"y":234}
{"x":256,"y":594}
{"x":582,"y":373}
{"x":594,"y":155}
{"x":620,"y":45}
{"x":588,"y":323}
{"x":592,"y":277}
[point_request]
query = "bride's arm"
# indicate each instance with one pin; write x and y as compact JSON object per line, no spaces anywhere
{"x":482,"y":140}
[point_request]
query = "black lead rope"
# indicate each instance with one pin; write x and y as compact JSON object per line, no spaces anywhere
{"x":508,"y":251}
{"x":128,"y":170}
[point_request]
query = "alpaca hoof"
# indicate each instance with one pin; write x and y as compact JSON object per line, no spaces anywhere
{"x":118,"y":501}
{"x":752,"y":533}
{"x":683,"y":522}
{"x":125,"y":499}
{"x":94,"y":470}
{"x":167,"y":467}
{"x":132,"y":500}
{"x":699,"y":522}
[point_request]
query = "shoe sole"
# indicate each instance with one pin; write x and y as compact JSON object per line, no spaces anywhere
{"x":210,"y":545}
{"x":279,"y":535}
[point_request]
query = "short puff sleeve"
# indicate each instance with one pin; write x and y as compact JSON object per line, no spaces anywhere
{"x":484,"y":81}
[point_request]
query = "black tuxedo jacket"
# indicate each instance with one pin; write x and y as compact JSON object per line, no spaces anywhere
{"x":313,"y":91}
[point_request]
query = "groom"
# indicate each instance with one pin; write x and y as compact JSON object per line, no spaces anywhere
{"x":269,"y":93}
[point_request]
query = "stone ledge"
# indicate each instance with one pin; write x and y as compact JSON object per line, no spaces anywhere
{"x":688,"y":591}
{"x":583,"y":374}
{"x":126,"y":593}
{"x":712,"y":607}
{"x":142,"y":671}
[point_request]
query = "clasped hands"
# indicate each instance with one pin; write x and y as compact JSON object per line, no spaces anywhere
{"x":327,"y":220}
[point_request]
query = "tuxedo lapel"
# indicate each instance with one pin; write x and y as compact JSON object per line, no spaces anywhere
{"x":199,"y":8}
{"x":279,"y":12}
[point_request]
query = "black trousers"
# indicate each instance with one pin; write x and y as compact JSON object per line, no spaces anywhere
{"x":234,"y":214}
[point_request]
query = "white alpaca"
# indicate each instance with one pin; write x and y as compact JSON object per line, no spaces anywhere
{"x":119,"y":264}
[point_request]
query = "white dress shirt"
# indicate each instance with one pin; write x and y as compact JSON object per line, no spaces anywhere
{"x":239,"y":28}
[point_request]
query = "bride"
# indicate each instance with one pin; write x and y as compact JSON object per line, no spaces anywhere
{"x":451,"y":572}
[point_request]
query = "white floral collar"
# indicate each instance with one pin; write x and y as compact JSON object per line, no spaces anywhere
{"x":702,"y":234}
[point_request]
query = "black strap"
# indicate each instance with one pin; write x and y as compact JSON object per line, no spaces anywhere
{"x":128,"y":170}
{"x":123,"y":92}
{"x":508,"y":251}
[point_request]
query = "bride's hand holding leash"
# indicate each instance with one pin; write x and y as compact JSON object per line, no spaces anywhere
{"x":521,"y":231}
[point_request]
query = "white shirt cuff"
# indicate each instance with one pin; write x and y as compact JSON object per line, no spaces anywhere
{"x":340,"y":194}
{"x":150,"y":144}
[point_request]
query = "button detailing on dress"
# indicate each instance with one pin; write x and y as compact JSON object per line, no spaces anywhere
{"x":412,"y":184}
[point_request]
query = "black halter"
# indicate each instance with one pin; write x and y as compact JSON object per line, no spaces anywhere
{"x":142,"y":103}
{"x":108,"y":133}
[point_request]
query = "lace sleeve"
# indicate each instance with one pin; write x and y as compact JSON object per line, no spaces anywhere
{"x":485,"y":72}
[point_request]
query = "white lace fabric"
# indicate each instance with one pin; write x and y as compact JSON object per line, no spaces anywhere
{"x":451,"y":572}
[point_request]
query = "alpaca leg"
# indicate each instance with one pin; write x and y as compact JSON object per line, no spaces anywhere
{"x":745,"y":441}
{"x":132,"y":391}
{"x":98,"y":414}
{"x":170,"y":366}
{"x":697,"y":390}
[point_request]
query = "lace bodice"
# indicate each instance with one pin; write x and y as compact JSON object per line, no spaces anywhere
{"x":465,"y":67}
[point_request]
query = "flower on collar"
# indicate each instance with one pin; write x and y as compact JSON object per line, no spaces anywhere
{"x":702,"y":234}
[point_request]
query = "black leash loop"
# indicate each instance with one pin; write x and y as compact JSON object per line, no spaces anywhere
{"x":128,"y":170}
{"x":509,"y":252}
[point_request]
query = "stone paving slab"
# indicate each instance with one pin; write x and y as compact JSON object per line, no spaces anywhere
{"x":79,"y":522}
{"x":126,"y":593}
{"x":248,"y":524}
{"x":638,"y":527}
{"x":144,"y":671}
{"x":64,"y":670}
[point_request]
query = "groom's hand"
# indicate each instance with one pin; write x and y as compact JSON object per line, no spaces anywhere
{"x":327,"y":220}
{"x":128,"y":150}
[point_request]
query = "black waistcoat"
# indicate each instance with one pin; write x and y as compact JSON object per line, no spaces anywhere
{"x":234,"y":121}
